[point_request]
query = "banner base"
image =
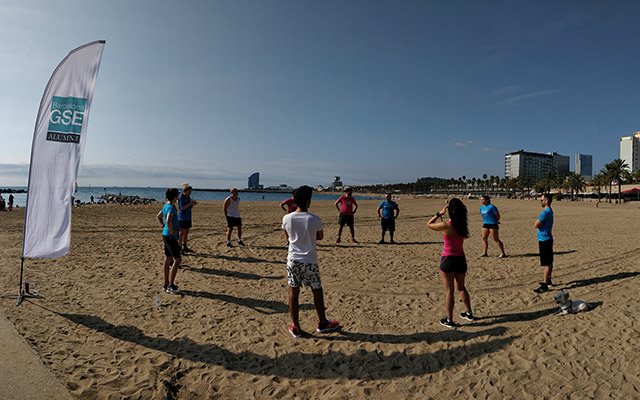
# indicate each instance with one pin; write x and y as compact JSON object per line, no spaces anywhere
{"x":21,"y":296}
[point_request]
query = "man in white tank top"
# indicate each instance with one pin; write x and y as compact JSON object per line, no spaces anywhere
{"x":231,"y":210}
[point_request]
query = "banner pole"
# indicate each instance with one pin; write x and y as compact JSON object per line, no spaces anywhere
{"x":22,"y":293}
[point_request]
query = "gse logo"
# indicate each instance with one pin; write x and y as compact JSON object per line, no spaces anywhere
{"x":66,"y":118}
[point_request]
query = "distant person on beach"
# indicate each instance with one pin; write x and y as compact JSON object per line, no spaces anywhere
{"x":10,"y":202}
{"x":168,"y":218}
{"x":543,"y":225}
{"x":91,"y":199}
{"x":388,"y":211}
{"x":2,"y":203}
{"x":490,"y":221}
{"x":290,"y":205}
{"x":185,"y":204}
{"x":302,"y":229}
{"x":231,"y":208}
{"x":347,"y":206}
{"x":453,"y":264}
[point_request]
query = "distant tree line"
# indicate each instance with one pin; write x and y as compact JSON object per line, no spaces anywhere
{"x":614,"y":173}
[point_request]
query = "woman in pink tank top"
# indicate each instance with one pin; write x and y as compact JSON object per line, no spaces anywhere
{"x":453,"y":265}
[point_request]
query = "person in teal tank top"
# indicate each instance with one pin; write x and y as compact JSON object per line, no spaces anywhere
{"x":168,"y":219}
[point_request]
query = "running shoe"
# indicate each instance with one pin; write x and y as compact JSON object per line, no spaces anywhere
{"x":328,"y":326}
{"x":165,"y":288}
{"x":229,"y":244}
{"x":502,"y":255}
{"x":543,"y":288}
{"x":447,"y":322}
{"x":354,"y":241}
{"x":338,"y":240}
{"x":185,"y":249}
{"x":484,"y":255}
{"x":468,"y":315}
{"x":382,"y":242}
{"x":240,"y":242}
{"x":392,"y":242}
{"x":295,"y":332}
{"x":173,"y":289}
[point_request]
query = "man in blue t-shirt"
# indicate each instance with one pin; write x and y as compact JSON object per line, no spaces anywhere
{"x":185,"y":204}
{"x":544,"y":224}
{"x":388,"y":212}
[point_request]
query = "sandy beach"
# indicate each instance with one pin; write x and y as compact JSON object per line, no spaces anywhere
{"x":100,"y":332}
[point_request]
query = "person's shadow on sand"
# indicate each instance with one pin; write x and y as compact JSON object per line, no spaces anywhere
{"x":368,"y":365}
{"x":599,"y":279}
{"x":267,"y":307}
{"x":514,"y":317}
{"x":232,"y":274}
{"x":427,"y":337}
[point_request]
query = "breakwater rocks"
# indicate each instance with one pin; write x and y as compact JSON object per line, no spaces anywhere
{"x":12,"y":190}
{"x":120,"y":199}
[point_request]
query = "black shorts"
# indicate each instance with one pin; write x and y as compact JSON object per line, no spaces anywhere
{"x":490,"y":226}
{"x":346,"y":220}
{"x":185,"y":224}
{"x":456,"y":264}
{"x":233,"y":221}
{"x":171,"y":247}
{"x":388,"y":224}
{"x":546,"y":252}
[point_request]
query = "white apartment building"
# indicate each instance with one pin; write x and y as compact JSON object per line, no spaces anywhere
{"x":630,"y":151}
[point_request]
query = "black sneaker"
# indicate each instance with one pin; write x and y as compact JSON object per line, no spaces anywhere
{"x":173,"y":289}
{"x":240,"y":242}
{"x":382,"y":242}
{"x":185,"y":249}
{"x":543,"y":288}
{"x":447,"y":322}
{"x":165,"y":288}
{"x":468,"y":315}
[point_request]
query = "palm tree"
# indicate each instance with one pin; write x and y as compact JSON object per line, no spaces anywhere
{"x":548,"y":181}
{"x":636,"y":176}
{"x":599,"y":181}
{"x":575,"y":182}
{"x":619,"y":171}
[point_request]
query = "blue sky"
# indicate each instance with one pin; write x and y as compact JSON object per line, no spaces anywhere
{"x":208,"y":92}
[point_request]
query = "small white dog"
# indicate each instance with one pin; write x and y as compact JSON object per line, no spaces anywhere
{"x":568,"y":306}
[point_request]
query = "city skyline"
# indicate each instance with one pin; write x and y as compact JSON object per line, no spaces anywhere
{"x":372,"y":91}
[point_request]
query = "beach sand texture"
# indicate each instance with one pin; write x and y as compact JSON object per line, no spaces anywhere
{"x":99,"y":331}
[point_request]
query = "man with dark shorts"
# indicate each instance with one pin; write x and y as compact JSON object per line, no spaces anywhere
{"x":168,"y":219}
{"x":185,"y":204}
{"x":388,"y":212}
{"x":231,"y":209}
{"x":347,"y":206}
{"x":544,"y":224}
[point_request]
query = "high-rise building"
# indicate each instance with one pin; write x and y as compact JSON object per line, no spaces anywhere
{"x":254,"y":181}
{"x":630,"y":150}
{"x":560,"y":164}
{"x":336,"y":183}
{"x":526,"y":164}
{"x":584,"y":165}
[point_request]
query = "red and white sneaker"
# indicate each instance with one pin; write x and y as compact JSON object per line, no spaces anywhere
{"x":328,"y":326}
{"x":295,"y":332}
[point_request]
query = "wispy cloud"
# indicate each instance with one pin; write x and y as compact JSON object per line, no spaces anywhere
{"x":513,"y":98}
{"x":487,"y":149}
{"x":462,"y":143}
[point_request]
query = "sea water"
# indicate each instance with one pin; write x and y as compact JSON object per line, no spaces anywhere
{"x":84,"y":194}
